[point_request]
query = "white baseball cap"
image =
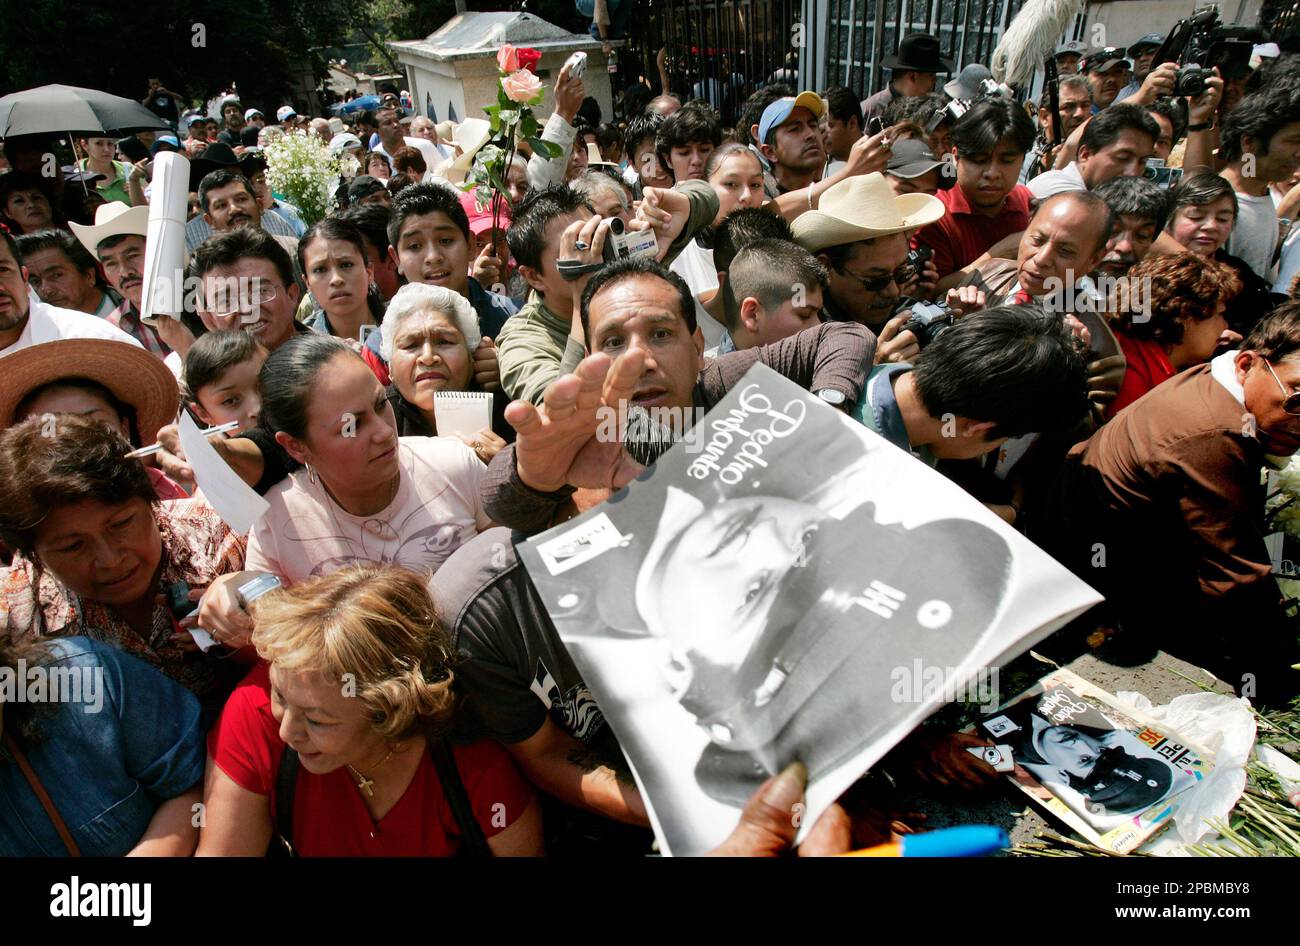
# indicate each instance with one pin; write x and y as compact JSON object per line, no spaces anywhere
{"x":285,"y":112}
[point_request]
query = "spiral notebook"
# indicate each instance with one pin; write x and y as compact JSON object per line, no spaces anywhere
{"x":462,"y":412}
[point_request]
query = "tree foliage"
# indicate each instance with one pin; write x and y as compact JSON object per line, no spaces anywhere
{"x":197,"y":47}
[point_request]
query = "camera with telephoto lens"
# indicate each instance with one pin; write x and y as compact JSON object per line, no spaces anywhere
{"x":622,"y":243}
{"x":929,"y":320}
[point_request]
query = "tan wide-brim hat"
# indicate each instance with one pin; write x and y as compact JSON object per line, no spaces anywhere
{"x":112,"y":219}
{"x":134,"y":376}
{"x":863,"y":207}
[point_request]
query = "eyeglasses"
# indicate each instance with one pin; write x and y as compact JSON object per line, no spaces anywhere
{"x":1292,"y":403}
{"x":880,"y":283}
{"x":224,"y":303}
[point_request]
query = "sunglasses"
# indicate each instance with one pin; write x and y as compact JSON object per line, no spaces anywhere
{"x":1292,"y":403}
{"x":881,"y":283}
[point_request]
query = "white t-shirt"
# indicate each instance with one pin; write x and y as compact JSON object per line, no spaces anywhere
{"x":437,"y":509}
{"x":47,"y":323}
{"x":1048,"y":183}
{"x":1254,"y":236}
{"x":695,"y":265}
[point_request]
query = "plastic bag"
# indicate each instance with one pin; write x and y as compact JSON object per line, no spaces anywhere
{"x":1223,"y":725}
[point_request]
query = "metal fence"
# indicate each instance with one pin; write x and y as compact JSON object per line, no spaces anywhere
{"x":722,"y":50}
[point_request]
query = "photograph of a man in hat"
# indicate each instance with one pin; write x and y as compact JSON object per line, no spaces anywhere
{"x":1099,"y":769}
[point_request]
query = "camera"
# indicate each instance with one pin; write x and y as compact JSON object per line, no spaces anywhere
{"x":1161,"y":175}
{"x":622,"y":243}
{"x":914,"y":263}
{"x":929,"y":320}
{"x":1191,"y":80}
{"x":1200,"y":44}
{"x":577,"y":64}
{"x":955,"y":109}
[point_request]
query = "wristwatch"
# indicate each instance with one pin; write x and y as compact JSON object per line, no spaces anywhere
{"x":832,"y":397}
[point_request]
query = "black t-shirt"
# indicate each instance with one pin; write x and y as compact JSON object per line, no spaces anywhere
{"x":164,"y":106}
{"x":515,"y":668}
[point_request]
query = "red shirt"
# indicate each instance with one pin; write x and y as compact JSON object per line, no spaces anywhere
{"x":962,"y":235}
{"x":1148,"y":365}
{"x":329,"y":817}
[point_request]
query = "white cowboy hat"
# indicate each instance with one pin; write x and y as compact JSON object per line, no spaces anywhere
{"x":112,"y":219}
{"x":863,"y":207}
{"x":470,"y":136}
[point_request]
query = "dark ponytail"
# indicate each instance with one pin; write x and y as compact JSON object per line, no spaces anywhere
{"x":287,"y":378}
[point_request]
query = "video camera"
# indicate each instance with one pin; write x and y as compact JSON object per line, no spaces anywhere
{"x":1200,"y":44}
{"x":955,"y":109}
{"x":622,"y":243}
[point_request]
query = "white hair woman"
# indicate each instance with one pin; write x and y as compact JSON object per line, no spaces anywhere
{"x":428,"y":337}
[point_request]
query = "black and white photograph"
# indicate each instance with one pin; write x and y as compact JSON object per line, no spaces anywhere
{"x":732,"y":614}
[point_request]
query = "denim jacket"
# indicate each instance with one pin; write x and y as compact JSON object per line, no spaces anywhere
{"x":131,"y":741}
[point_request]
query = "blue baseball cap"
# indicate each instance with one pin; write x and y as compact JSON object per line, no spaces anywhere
{"x":779,"y":111}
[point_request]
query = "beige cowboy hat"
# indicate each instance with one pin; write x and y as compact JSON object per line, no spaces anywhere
{"x":135,"y":377}
{"x":112,"y":219}
{"x":862,"y":207}
{"x":445,"y":130}
{"x":595,"y":158}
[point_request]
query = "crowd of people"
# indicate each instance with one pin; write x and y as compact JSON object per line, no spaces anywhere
{"x":1105,"y":359}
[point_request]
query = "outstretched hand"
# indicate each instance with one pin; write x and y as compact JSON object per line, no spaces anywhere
{"x":575,"y":437}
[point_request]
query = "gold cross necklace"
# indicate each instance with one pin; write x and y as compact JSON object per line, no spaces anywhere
{"x":367,"y":785}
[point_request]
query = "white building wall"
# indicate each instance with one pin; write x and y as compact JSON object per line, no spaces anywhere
{"x":1125,"y":21}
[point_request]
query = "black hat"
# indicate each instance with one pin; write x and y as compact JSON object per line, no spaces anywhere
{"x":1123,"y":784}
{"x":362,"y":186}
{"x":215,"y":156}
{"x":918,"y":52}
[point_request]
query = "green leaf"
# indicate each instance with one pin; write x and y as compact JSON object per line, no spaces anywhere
{"x":547,"y":149}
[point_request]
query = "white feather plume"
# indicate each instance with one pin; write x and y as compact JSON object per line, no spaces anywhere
{"x":1031,"y":38}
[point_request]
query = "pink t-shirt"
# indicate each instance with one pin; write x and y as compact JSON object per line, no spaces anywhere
{"x":437,"y":509}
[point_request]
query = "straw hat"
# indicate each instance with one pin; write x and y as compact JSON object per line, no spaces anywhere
{"x":112,"y":219}
{"x":595,"y":158}
{"x":863,"y":207}
{"x":134,"y":376}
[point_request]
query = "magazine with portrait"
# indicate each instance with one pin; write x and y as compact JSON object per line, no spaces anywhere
{"x":1105,"y":769}
{"x":784,"y":585}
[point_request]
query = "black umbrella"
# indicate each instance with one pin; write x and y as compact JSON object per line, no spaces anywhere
{"x":66,"y":109}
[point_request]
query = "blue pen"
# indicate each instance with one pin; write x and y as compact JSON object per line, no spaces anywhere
{"x":974,"y":840}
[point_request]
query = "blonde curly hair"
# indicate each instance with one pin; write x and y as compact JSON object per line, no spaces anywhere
{"x":373,"y":627}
